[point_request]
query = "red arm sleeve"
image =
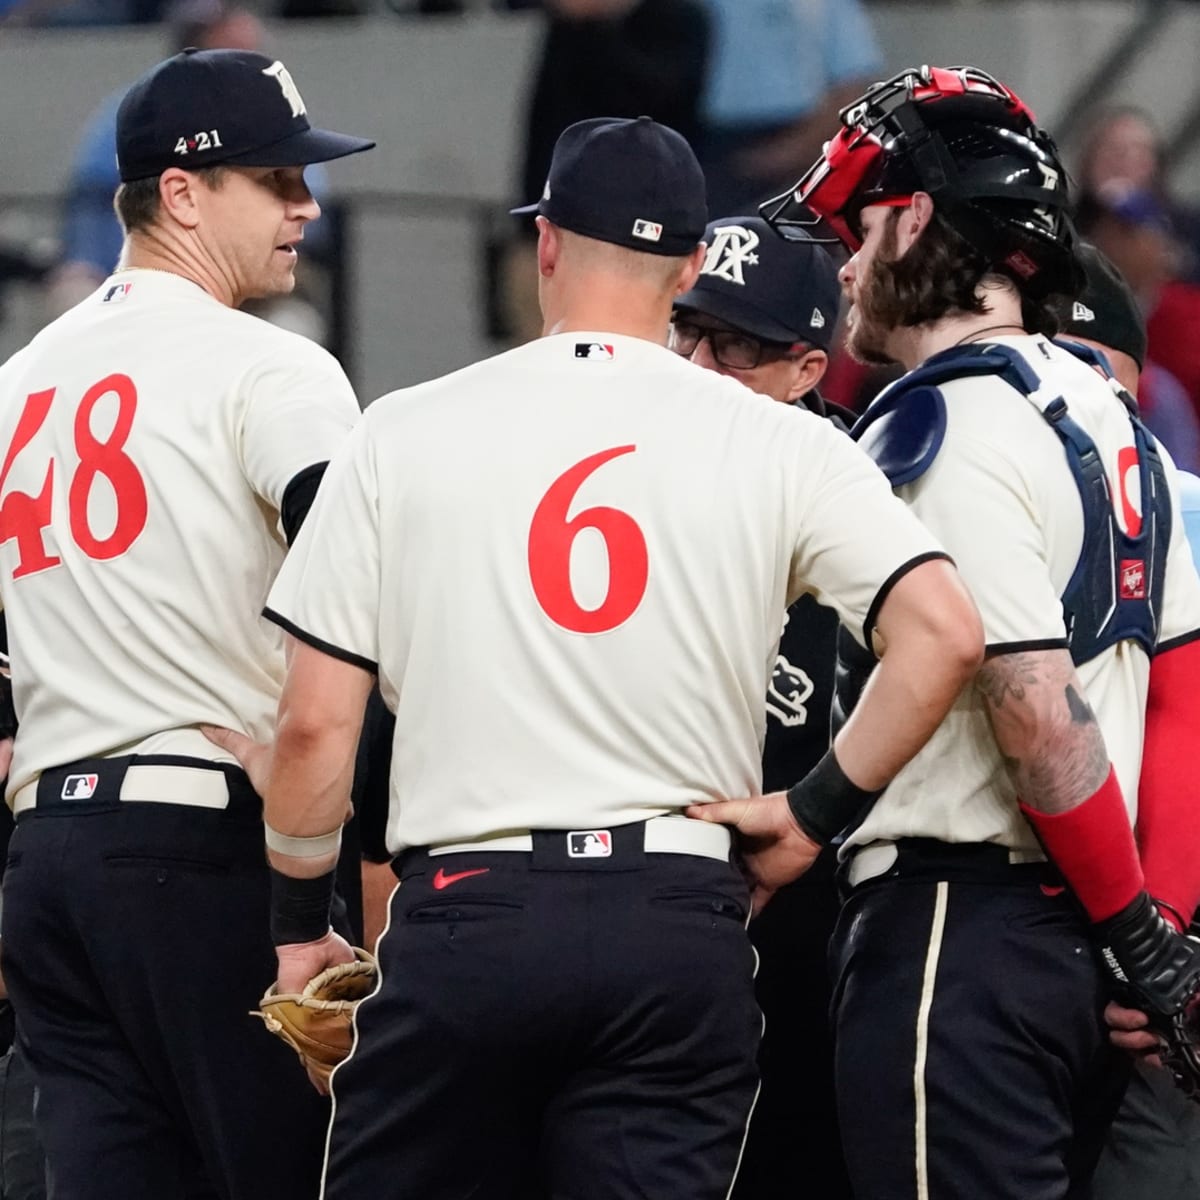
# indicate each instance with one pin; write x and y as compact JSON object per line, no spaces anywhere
{"x":1168,"y":825}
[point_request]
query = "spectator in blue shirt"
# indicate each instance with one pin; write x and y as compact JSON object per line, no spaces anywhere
{"x":779,"y":71}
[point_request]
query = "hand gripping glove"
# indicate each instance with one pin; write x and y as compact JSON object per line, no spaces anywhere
{"x":317,"y":1022}
{"x":1157,"y":971}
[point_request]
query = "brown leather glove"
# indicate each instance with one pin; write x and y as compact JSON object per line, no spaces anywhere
{"x":318,"y":1022}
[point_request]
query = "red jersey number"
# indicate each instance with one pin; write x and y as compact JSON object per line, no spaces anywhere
{"x":551,"y":536}
{"x":23,"y":516}
{"x":1127,"y":464}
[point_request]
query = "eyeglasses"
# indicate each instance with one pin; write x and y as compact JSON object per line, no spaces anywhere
{"x":739,"y":351}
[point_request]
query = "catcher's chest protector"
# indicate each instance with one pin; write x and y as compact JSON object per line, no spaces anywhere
{"x":1115,"y":591}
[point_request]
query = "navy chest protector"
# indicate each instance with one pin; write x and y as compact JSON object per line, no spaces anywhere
{"x":1115,"y":592}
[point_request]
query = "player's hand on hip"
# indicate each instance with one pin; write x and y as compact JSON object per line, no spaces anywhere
{"x":255,"y":757}
{"x":773,"y":848}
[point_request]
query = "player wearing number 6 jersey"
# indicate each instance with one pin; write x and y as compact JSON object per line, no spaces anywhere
{"x":568,"y":566}
{"x":159,"y":449}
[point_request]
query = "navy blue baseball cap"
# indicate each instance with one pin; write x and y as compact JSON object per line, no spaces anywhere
{"x":205,"y":107}
{"x":755,"y":281}
{"x":1106,"y":311}
{"x":628,"y":181}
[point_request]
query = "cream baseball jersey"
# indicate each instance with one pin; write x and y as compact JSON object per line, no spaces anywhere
{"x":569,"y":565}
{"x":1002,"y":499}
{"x":148,"y":436}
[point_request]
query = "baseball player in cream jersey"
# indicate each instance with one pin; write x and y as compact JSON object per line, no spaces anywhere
{"x":969,"y":1004}
{"x":160,"y":449}
{"x":574,"y":614}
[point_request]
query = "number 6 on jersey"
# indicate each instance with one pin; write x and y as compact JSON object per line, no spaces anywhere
{"x":551,"y":536}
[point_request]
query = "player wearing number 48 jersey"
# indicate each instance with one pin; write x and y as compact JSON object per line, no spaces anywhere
{"x":568,"y":566}
{"x":159,"y":449}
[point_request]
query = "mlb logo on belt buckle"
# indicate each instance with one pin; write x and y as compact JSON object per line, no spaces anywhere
{"x":1133,"y":579}
{"x":79,"y":787}
{"x":590,"y":843}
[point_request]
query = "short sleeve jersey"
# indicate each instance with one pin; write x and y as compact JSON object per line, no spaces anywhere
{"x":1002,"y":499}
{"x":148,"y":437}
{"x":569,"y":565}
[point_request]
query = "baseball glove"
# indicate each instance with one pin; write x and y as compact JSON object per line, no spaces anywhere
{"x":1181,"y":1050}
{"x":318,"y":1022}
{"x":1157,"y":970}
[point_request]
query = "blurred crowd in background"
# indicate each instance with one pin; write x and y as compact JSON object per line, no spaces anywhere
{"x":755,"y":85}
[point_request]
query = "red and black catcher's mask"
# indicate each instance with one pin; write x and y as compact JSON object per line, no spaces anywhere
{"x":968,"y":141}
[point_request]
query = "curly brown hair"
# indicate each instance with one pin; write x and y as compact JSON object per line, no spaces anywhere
{"x":940,"y":273}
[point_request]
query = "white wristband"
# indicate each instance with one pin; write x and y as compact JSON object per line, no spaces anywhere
{"x":303,"y":847}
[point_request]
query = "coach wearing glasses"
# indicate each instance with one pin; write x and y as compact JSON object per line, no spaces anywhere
{"x":763,"y":311}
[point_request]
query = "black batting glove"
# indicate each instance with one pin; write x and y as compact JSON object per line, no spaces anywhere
{"x":1154,"y":968}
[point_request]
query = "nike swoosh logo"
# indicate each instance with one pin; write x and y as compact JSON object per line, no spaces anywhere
{"x":442,"y":880}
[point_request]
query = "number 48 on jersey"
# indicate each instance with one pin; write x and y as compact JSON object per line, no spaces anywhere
{"x":24,"y":516}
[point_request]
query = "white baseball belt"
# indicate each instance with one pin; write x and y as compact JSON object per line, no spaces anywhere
{"x":663,"y":835}
{"x":154,"y":783}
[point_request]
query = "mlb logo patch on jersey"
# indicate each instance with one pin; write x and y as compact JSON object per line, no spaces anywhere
{"x":648,"y":231}
{"x":1133,"y":579}
{"x":116,"y":293}
{"x":79,"y":787}
{"x":599,"y":350}
{"x":590,"y":843}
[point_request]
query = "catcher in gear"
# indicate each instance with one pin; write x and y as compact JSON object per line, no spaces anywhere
{"x":318,"y":1022}
{"x":964,"y":1005}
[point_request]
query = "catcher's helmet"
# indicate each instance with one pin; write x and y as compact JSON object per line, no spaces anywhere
{"x":968,"y":141}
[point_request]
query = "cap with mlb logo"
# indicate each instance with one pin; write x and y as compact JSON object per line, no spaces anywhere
{"x":204,"y":107}
{"x":628,"y":181}
{"x":758,"y":283}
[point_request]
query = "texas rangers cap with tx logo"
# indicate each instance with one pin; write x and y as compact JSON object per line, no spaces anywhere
{"x":630,"y":182}
{"x":755,"y":281}
{"x":205,"y":107}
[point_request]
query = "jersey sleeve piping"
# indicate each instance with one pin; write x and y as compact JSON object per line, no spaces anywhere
{"x":347,"y":656}
{"x":997,"y":649}
{"x":890,"y":582}
{"x":1174,"y":643}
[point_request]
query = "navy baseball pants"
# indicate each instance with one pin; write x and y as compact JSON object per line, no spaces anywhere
{"x":972,"y":1061}
{"x":135,"y":943}
{"x":580,"y":1029}
{"x":795,"y":1113}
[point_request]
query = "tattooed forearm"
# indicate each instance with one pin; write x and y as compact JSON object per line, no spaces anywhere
{"x":1080,"y":710}
{"x":1044,"y":727}
{"x":1008,"y":675}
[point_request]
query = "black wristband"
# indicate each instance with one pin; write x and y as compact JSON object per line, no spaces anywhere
{"x":300,"y":907}
{"x":825,"y":801}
